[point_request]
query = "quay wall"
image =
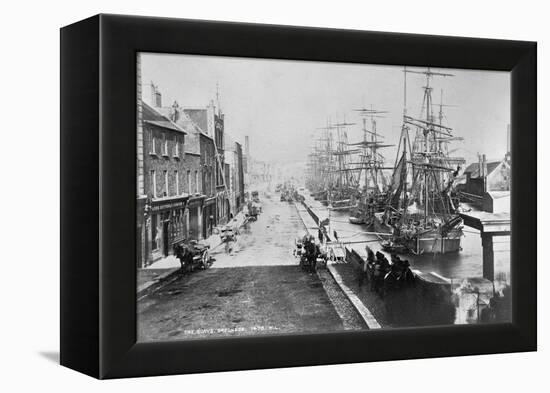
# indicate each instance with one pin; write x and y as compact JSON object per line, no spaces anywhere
{"x":429,"y":302}
{"x":433,"y":300}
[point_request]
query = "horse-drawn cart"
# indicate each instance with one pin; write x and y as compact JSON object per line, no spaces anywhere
{"x":310,"y":254}
{"x":193,"y":255}
{"x":228,"y":237}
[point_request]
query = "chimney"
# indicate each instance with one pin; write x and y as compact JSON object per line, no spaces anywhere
{"x":156,"y":97}
{"x":175,"y":112}
{"x":479,"y":165}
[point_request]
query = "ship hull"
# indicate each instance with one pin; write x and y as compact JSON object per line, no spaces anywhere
{"x":435,"y":245}
{"x":427,"y":243}
{"x":356,"y":220}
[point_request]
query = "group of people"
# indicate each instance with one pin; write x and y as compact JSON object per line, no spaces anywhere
{"x":383,"y":275}
{"x":309,"y":252}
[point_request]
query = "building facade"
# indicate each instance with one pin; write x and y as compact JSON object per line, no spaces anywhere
{"x":208,"y":164}
{"x":239,"y":179}
{"x":234,"y":175}
{"x":486,"y":176}
{"x":186,"y":185}
{"x":164,"y":184}
{"x":209,"y":124}
{"x":194,"y":187}
{"x":222,"y":186}
{"x":194,"y":170}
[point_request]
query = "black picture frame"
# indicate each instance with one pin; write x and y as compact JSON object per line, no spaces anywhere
{"x":98,"y":194}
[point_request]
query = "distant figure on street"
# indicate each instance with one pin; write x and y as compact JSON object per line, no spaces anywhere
{"x":335,"y":235}
{"x":320,"y":235}
{"x":311,"y":253}
{"x":185,"y":257}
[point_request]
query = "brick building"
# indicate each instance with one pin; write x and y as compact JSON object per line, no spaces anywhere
{"x":222,"y":173}
{"x":195,"y":169}
{"x":194,"y":185}
{"x":183,"y":177}
{"x":235,"y":174}
{"x":208,"y":164}
{"x":199,"y":123}
{"x":209,"y":126}
{"x":164,"y":169}
{"x":239,"y":181}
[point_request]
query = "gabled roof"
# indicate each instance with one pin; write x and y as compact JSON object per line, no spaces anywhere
{"x":152,"y":116}
{"x":473,"y":169}
{"x":193,"y":143}
{"x":193,"y":131}
{"x":199,"y":117}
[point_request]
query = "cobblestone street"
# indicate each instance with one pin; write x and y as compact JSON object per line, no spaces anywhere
{"x":258,"y":288}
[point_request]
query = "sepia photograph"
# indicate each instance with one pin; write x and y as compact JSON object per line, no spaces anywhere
{"x":301,"y":197}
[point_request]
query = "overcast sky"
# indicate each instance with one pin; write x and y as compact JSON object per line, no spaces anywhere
{"x":280,"y":103}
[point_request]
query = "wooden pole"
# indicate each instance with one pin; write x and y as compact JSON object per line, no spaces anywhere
{"x":488,"y":256}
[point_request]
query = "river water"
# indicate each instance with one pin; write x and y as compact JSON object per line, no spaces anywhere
{"x":466,"y":263}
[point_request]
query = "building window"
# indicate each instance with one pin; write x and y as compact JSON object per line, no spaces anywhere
{"x":155,"y":238}
{"x":189,"y":182}
{"x":196,"y":182}
{"x":166,"y":183}
{"x":176,"y":147}
{"x":154,"y":184}
{"x":164,"y":145}
{"x":153,"y":143}
{"x":177,"y":182}
{"x":212,"y":185}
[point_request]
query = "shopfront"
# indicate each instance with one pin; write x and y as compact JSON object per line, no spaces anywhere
{"x":166,"y":226}
{"x":194,"y":219}
{"x":209,"y":216}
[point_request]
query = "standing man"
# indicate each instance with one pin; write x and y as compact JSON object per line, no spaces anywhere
{"x":320,"y":235}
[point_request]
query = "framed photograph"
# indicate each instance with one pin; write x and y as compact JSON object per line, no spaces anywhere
{"x":239,"y":196}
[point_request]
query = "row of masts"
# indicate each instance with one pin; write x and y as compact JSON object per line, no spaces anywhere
{"x":337,"y":165}
{"x":343,"y":164}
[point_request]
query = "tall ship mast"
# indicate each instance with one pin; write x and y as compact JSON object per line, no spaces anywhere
{"x":372,"y":183}
{"x":344,"y":183}
{"x":321,"y":164}
{"x":420,"y":209}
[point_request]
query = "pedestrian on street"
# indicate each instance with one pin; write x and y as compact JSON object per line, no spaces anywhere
{"x":320,"y":235}
{"x":178,"y":251}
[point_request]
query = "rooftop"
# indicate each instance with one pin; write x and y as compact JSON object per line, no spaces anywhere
{"x":153,"y":116}
{"x":192,"y":129}
{"x":473,"y":169}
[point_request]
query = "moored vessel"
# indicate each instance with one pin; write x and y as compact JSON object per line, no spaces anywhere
{"x":420,"y":208}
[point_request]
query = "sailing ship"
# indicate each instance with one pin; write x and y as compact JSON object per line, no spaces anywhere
{"x":344,"y":184}
{"x":371,"y":196}
{"x":320,"y":167}
{"x":420,"y":209}
{"x":329,"y":178}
